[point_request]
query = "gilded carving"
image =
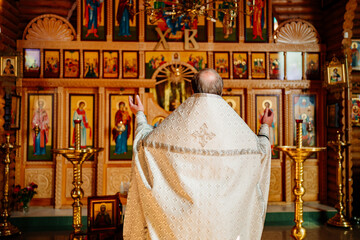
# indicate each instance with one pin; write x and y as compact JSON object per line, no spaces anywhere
{"x":58,"y":181}
{"x":43,"y":177}
{"x":311,"y":180}
{"x":88,"y":178}
{"x":49,"y":27}
{"x":275,"y":181}
{"x":296,"y":31}
{"x":114,"y":178}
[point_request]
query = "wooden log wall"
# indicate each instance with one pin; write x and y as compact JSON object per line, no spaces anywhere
{"x":355,"y":79}
{"x":9,"y":23}
{"x":309,"y":10}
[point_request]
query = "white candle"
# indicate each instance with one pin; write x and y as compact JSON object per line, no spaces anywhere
{"x":122,"y":188}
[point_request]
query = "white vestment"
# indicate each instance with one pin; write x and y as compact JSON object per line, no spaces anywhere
{"x":201,"y":174}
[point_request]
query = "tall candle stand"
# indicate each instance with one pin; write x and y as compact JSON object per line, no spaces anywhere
{"x":299,"y":154}
{"x":77,"y":156}
{"x":339,"y":220}
{"x":6,"y":228}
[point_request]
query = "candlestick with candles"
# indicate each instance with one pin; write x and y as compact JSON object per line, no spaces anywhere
{"x":299,"y":154}
{"x":77,"y":157}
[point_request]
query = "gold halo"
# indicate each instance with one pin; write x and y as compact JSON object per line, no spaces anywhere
{"x":232,"y":101}
{"x":78,"y":103}
{"x":354,"y":45}
{"x":37,"y":103}
{"x":267,"y":100}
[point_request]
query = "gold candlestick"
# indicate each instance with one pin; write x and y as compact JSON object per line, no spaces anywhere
{"x":77,"y":157}
{"x":339,"y":220}
{"x":6,"y":228}
{"x":299,"y":154}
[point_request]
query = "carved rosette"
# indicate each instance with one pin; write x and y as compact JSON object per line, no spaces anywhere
{"x":49,"y":27}
{"x":43,"y":177}
{"x":275,"y":181}
{"x":114,"y":178}
{"x":296,"y":31}
{"x":311,"y":180}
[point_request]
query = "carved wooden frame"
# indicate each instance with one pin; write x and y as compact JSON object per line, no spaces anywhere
{"x":48,"y":75}
{"x":281,"y":65}
{"x":117,"y":63}
{"x":235,"y":28}
{"x":229,"y":93}
{"x":316,"y":118}
{"x":128,"y":155}
{"x":28,"y":74}
{"x":228,"y":64}
{"x":84,"y":63}
{"x":123,"y":64}
{"x":307,"y":75}
{"x":266,"y":13}
{"x":29,"y":129}
{"x":275,"y":154}
{"x":80,"y":31}
{"x":246,"y":76}
{"x":13,"y":61}
{"x":113,"y":201}
{"x":252,"y":63}
{"x":115,"y":37}
{"x":71,"y":113}
{"x":64,"y":63}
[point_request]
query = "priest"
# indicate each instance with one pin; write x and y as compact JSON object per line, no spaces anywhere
{"x":202,"y":173}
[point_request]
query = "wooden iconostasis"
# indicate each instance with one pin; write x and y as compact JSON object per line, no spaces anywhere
{"x":76,"y":74}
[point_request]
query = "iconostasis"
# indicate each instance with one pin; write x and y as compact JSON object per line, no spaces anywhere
{"x":89,"y":74}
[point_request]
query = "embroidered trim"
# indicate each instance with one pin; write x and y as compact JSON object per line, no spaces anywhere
{"x":207,"y":152}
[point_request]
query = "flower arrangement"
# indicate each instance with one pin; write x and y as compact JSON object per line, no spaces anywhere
{"x":24,"y":195}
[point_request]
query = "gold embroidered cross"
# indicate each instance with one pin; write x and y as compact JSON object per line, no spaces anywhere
{"x":203,"y":135}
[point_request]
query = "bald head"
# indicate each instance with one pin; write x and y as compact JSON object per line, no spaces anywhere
{"x":207,"y":81}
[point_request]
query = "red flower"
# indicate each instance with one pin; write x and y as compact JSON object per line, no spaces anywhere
{"x":25,"y":194}
{"x":16,"y":189}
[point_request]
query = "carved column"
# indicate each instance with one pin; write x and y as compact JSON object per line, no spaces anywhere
{"x":59,"y":160}
{"x":101,"y":143}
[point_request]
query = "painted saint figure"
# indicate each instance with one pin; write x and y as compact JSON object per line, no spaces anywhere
{"x":335,"y":76}
{"x":102,"y":218}
{"x":122,"y":129}
{"x":9,"y":68}
{"x":40,"y":119}
{"x":258,"y":19}
{"x":226,"y":19}
{"x":80,"y":114}
{"x":93,"y":16}
{"x":125,"y":13}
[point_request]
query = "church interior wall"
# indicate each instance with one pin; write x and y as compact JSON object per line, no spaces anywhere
{"x":103,"y":176}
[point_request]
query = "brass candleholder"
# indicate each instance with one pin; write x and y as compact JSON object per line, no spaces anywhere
{"x":299,"y":154}
{"x":6,"y":228}
{"x":77,"y":156}
{"x":339,"y":220}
